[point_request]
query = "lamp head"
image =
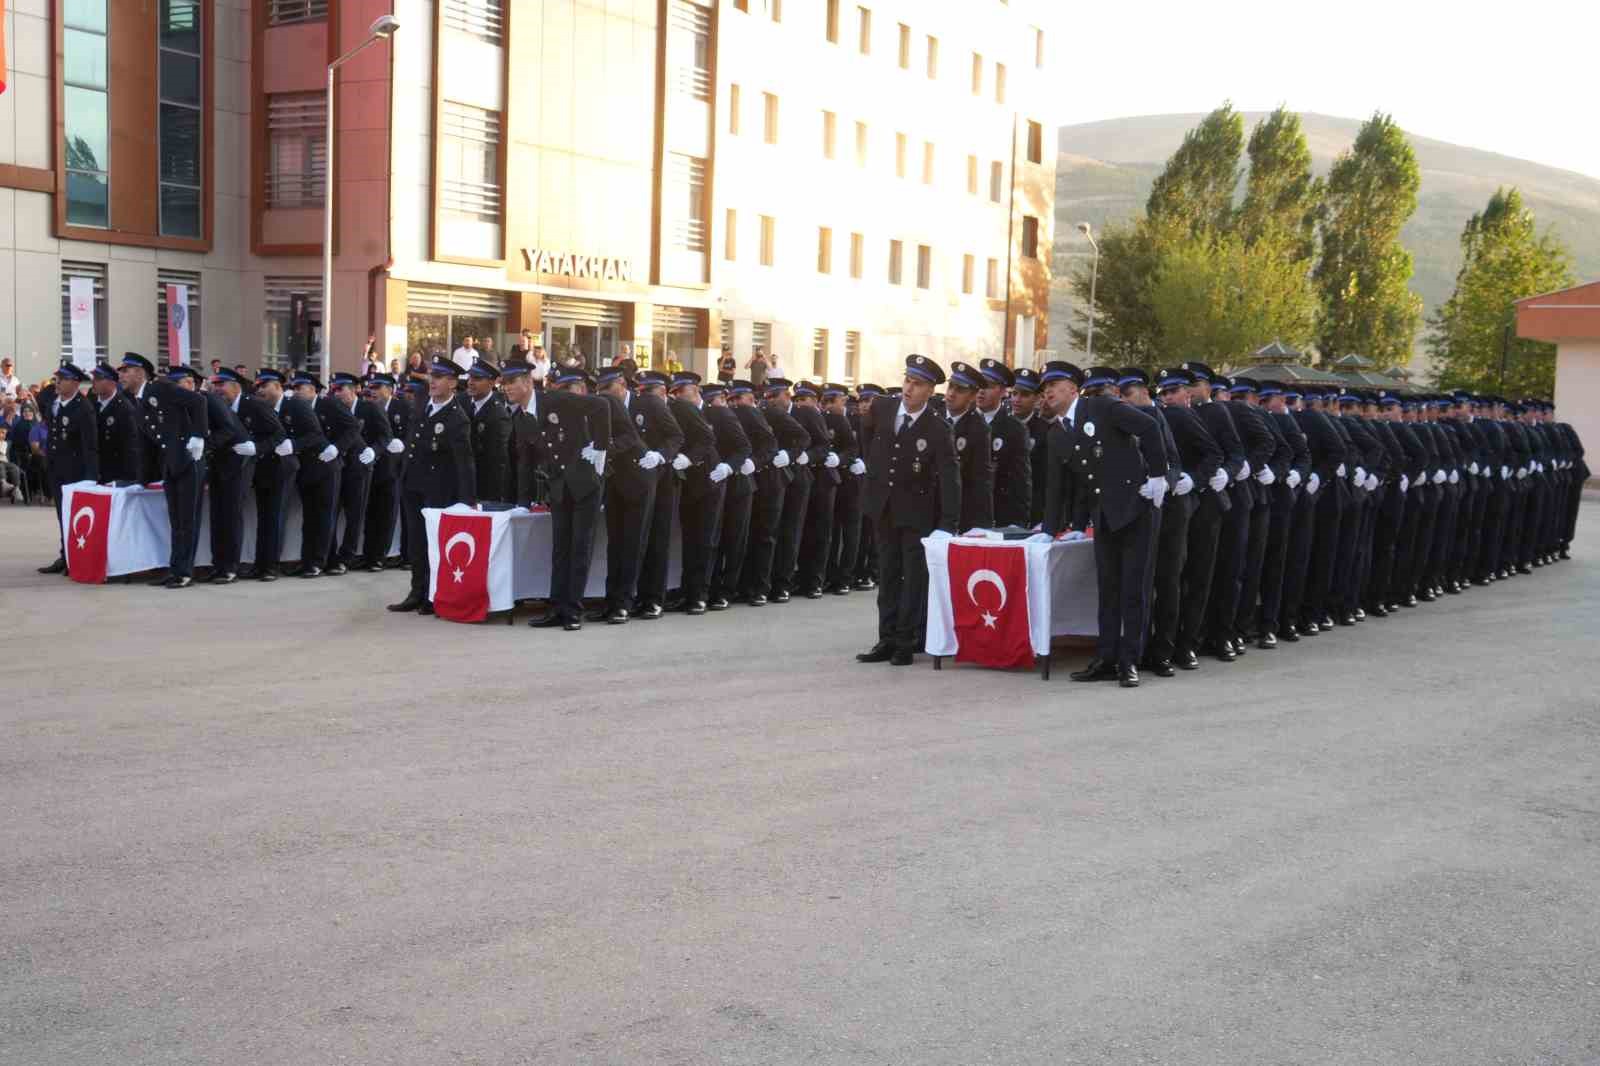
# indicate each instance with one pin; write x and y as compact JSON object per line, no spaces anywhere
{"x":384,"y":26}
{"x":1083,"y":228}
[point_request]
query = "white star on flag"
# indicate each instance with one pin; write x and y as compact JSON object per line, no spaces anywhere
{"x":458,"y":573}
{"x":82,"y":542}
{"x":988,"y":619}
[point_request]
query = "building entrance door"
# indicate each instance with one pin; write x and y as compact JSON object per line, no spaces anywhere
{"x":593,"y":346}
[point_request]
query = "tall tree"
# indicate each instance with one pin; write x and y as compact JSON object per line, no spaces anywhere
{"x":1125,"y":327}
{"x":1281,"y":193}
{"x":1197,"y":185}
{"x":1218,"y":297}
{"x":1504,"y":259}
{"x":1364,"y":273}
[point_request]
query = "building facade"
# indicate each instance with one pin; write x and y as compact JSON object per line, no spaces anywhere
{"x":840,"y":183}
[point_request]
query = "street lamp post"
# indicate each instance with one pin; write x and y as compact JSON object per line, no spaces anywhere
{"x":1094,"y":279}
{"x":383,"y":26}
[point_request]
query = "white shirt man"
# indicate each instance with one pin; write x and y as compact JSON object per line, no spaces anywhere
{"x":9,"y":384}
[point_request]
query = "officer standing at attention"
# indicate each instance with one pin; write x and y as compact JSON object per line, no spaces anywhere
{"x":970,"y":431}
{"x":630,"y":496}
{"x":1171,"y":535}
{"x":865,"y":567}
{"x":844,"y":540}
{"x":913,"y":491}
{"x":319,"y":482}
{"x":817,"y":530}
{"x":74,"y":453}
{"x":117,"y":420}
{"x":772,"y":477}
{"x":491,"y":431}
{"x":175,"y":422}
{"x":1008,"y":445}
{"x":1028,"y":406}
{"x":663,"y":435}
{"x":439,"y":472}
{"x":231,"y":471}
{"x":796,"y":442}
{"x":383,"y":500}
{"x":355,"y":481}
{"x":278,"y":469}
{"x":704,"y":489}
{"x":737,"y":449}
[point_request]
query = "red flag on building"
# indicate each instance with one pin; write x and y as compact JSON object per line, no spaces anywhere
{"x":989,"y":605}
{"x":88,"y":527}
{"x":461,"y":592}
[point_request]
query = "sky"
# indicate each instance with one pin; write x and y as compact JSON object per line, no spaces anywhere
{"x":1518,"y":79}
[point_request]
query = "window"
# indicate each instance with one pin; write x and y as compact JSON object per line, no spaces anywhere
{"x":999,"y":83}
{"x":852,"y":356}
{"x":769,"y":227}
{"x":972,"y":175}
{"x":830,"y":124}
{"x":819,"y":353}
{"x":927,"y":162}
{"x":857,"y":251}
{"x":775,"y":9}
{"x":685,"y":191}
{"x":933,"y":57}
{"x":284,"y":295}
{"x":725,"y":333}
{"x":824,"y":250}
{"x":86,"y":127}
{"x":733,"y":109}
{"x":1035,"y":143}
{"x":832,"y":29}
{"x":905,"y":47}
{"x":924,"y":266}
{"x":96,"y":273}
{"x":297,"y":149}
{"x":997,"y":181}
{"x":285,"y":12}
{"x":968,"y":268}
{"x":864,"y":19}
{"x":991,"y":283}
{"x":1030,"y":237}
{"x":861,"y":144}
{"x":1038,"y":48}
{"x":741,"y":5}
{"x":482,"y":19}
{"x":977,"y":74}
{"x":469,"y":161}
{"x":899,"y":155}
{"x":191,"y":308}
{"x":179,"y":80}
{"x":896,"y":253}
{"x":761,"y":336}
{"x":769,"y":129}
{"x":689,"y":30}
{"x":730,"y":236}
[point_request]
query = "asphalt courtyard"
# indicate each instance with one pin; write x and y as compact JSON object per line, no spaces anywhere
{"x":275,"y":824}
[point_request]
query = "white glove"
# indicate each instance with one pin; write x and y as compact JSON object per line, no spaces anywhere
{"x":1539,"y":466}
{"x":650,"y":460}
{"x":939,"y":534}
{"x":1505,"y":473}
{"x":1361,"y":475}
{"x":1455,"y":477}
{"x":196,"y":448}
{"x":1313,"y":483}
{"x":245,"y":448}
{"x":1522,"y":472}
{"x":721,"y":472}
{"x":1154,"y":490}
{"x":285,"y":447}
{"x":803,"y":459}
{"x":858,"y":468}
{"x":1422,"y":479}
{"x":395,"y":446}
{"x":1472,"y":468}
{"x":366,"y":457}
{"x":1293,"y":479}
{"x":1438,"y":477}
{"x":831,"y":461}
{"x":1340,"y":471}
{"x":328,"y":454}
{"x":1244,"y":472}
{"x":1184,"y":486}
{"x":781,"y":459}
{"x":1266,"y":476}
{"x":681,"y":462}
{"x":747,"y":467}
{"x":1405,"y":484}
{"x":1219,"y":480}
{"x":1372,"y":482}
{"x":596,"y":457}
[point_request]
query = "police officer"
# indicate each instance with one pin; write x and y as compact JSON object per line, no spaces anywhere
{"x":837,"y":449}
{"x":970,"y":432}
{"x":175,"y":427}
{"x":491,"y":431}
{"x":355,"y":480}
{"x":231,"y":469}
{"x":844,"y":541}
{"x":319,"y":481}
{"x":439,"y":471}
{"x":1029,"y":407}
{"x":1283,"y":495}
{"x":1009,"y":446}
{"x":383,"y":500}
{"x":116,"y":418}
{"x":736,"y":448}
{"x":74,"y":452}
{"x":1169,"y":541}
{"x":753,"y":582}
{"x":1208,"y":394}
{"x":704,"y":489}
{"x":866,"y":565}
{"x":799,"y":446}
{"x":661,"y":433}
{"x":636,"y":473}
{"x":278,"y":469}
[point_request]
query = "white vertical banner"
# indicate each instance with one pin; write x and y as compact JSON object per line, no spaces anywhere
{"x":80,"y":297}
{"x":177,"y":325}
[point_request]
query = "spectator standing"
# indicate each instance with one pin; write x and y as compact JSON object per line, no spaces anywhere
{"x":727,"y":366}
{"x":467,"y":353}
{"x":9,"y":383}
{"x":487,"y":353}
{"x":759,"y":366}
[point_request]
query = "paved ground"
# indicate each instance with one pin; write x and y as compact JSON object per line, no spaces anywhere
{"x":273,"y":824}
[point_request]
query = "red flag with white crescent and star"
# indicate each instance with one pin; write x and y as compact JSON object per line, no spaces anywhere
{"x":461,"y":587}
{"x":989,"y":604}
{"x":88,"y":525}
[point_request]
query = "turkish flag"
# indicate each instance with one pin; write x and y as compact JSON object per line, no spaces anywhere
{"x":86,"y":534}
{"x":461,"y":587}
{"x":989,"y":604}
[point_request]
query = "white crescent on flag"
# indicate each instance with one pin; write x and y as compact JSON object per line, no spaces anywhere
{"x":82,"y":535}
{"x":460,"y":538}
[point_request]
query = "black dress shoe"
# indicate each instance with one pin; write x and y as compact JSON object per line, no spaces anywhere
{"x":1426,"y":596}
{"x":649,"y":612}
{"x":374,"y":568}
{"x":176,"y":582}
{"x":1163,"y":668}
{"x":1096,"y":670}
{"x":717,"y":603}
{"x":901,"y":658}
{"x":780,"y":596}
{"x":839,"y":590}
{"x":405,"y":606}
{"x":1187,"y":660}
{"x":1409,"y":601}
{"x":291,"y":570}
{"x":1564,"y":554}
{"x":224,"y":579}
{"x":1237,"y":645}
{"x":866,"y":584}
{"x":1453,"y":589}
{"x":617,"y":617}
{"x":812,"y":594}
{"x":1524,"y":569}
{"x":1379,"y":611}
{"x":1359,"y":614}
{"x":698,"y":607}
{"x":572,"y":625}
{"x":546,"y":621}
{"x":879,"y":653}
{"x":1223,"y":651}
{"x":426,"y":608}
{"x":757,"y":600}
{"x":1325,"y":622}
{"x":1268,"y":641}
{"x":1128,"y":676}
{"x":1289,"y":635}
{"x":246,"y":572}
{"x":337,"y":570}
{"x":599,"y":614}
{"x":266,"y":575}
{"x":1347,"y":619}
{"x":310,"y":572}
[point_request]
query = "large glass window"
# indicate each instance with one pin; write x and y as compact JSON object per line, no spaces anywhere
{"x":293,"y":322}
{"x":297,"y":149}
{"x":181,"y":148}
{"x":86,"y":123}
{"x":469,"y":161}
{"x":285,"y":12}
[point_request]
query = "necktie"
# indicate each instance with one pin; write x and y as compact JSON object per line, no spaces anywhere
{"x":905,"y":422}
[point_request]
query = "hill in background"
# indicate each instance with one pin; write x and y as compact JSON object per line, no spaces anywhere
{"x":1105,"y":169}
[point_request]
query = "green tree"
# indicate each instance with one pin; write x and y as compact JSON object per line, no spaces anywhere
{"x":1504,"y":259}
{"x":1125,"y":328}
{"x":1196,"y":187}
{"x":1218,"y":297}
{"x":1363,"y":273}
{"x":1281,"y":193}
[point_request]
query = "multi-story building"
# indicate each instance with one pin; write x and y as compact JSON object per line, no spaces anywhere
{"x":839,"y":182}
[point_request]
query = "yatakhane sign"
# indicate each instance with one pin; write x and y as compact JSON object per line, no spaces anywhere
{"x":567,"y":264}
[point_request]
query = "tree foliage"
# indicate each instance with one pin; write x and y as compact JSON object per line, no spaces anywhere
{"x":1218,"y":296}
{"x":1195,"y":189}
{"x":1282,"y":195}
{"x":1504,"y":259}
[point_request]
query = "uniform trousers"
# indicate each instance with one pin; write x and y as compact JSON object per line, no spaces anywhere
{"x":182,"y":492}
{"x":817,"y":538}
{"x":383,"y":501}
{"x":1281,"y":500}
{"x":658,"y":543}
{"x":902,"y":587}
{"x":572,"y":524}
{"x":1227,"y":578}
{"x":272,"y":500}
{"x":1297,"y":559}
{"x":628,"y":516}
{"x":227,"y":482}
{"x":732,"y":544}
{"x":1171,"y":548}
{"x":766,"y":514}
{"x":701,"y":518}
{"x":1255,"y":556}
{"x":1199,"y":570}
{"x":791,"y":530}
{"x":845,"y":543}
{"x":355,"y":485}
{"x":1122,"y":567}
{"x":319,"y":507}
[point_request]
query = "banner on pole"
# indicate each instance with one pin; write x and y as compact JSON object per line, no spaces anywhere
{"x":80,"y":297}
{"x":177,"y":325}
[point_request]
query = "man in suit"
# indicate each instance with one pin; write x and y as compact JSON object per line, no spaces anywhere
{"x":913,"y":491}
{"x":491,"y":431}
{"x":74,"y":450}
{"x":661,"y":433}
{"x":117,"y":421}
{"x":844,"y":540}
{"x":705,"y":487}
{"x":175,"y":428}
{"x":439,"y":472}
{"x":355,"y":479}
{"x":319,"y":482}
{"x":747,"y":574}
{"x":560,"y":436}
{"x":807,"y":453}
{"x":838,"y":448}
{"x":969,"y":431}
{"x":636,"y":474}
{"x":1108,"y":468}
{"x":1008,"y":446}
{"x":383,"y":499}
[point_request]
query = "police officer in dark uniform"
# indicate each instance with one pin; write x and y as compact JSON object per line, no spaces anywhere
{"x":913,"y":491}
{"x":1009,"y":446}
{"x":1222,"y":603}
{"x":817,"y":532}
{"x":805,"y":452}
{"x":439,"y":471}
{"x":752,"y":581}
{"x":278,"y":468}
{"x":635,"y":473}
{"x":1029,"y":408}
{"x":231,"y":469}
{"x":866,"y":565}
{"x":175,"y":425}
{"x":844,"y":540}
{"x":705,"y":487}
{"x":383,"y":500}
{"x":662,"y":434}
{"x":1276,"y":458}
{"x":1169,"y":539}
{"x":319,"y":481}
{"x":491,"y":431}
{"x":970,"y":432}
{"x":741,"y":453}
{"x":355,"y":480}
{"x":74,"y":452}
{"x":1282,"y":498}
{"x":116,"y":418}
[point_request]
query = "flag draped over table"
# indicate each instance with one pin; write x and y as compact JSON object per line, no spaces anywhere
{"x":469,"y":556}
{"x":86,"y":522}
{"x":989,"y":604}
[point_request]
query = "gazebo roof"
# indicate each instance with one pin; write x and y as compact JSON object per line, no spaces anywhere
{"x":1277,"y":352}
{"x":1288,"y":372}
{"x":1353,"y":361}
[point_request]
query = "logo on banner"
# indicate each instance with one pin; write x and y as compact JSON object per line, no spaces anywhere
{"x":989,"y":604}
{"x":461,"y":588}
{"x":87,"y":529}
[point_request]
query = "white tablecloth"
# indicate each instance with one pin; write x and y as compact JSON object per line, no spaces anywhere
{"x":1063,"y":597}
